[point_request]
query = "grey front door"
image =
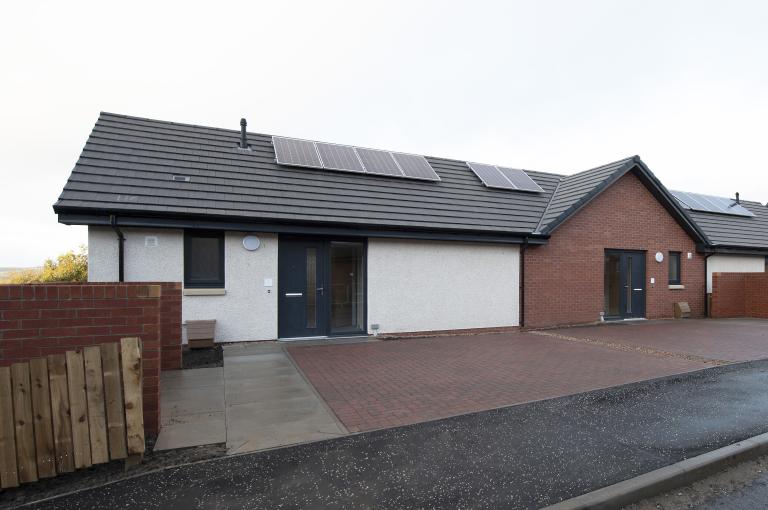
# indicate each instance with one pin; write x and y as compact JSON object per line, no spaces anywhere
{"x":624,"y":284}
{"x":301,"y":282}
{"x":321,"y":287}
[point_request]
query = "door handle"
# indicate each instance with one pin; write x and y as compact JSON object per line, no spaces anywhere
{"x":294,"y":294}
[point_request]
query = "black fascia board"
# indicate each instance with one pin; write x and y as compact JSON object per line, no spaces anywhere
{"x":195,"y":222}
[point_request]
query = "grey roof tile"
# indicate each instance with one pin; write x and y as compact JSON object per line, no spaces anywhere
{"x":735,"y":231}
{"x":127,"y":164}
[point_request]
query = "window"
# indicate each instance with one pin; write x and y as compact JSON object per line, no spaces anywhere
{"x":674,"y":268}
{"x":203,"y":259}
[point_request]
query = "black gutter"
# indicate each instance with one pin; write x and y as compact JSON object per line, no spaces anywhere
{"x":734,"y":250}
{"x":302,"y":229}
{"x":120,"y":247}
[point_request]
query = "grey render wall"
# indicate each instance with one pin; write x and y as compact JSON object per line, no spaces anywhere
{"x":248,"y":310}
{"x":436,"y":285}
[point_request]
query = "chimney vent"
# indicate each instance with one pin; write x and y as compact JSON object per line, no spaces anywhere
{"x":243,"y":137}
{"x":737,"y":198}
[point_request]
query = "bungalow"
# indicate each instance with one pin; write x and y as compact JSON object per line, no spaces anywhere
{"x":277,"y":237}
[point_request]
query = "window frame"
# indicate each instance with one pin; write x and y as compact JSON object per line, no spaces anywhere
{"x":672,"y":256}
{"x":204,"y":284}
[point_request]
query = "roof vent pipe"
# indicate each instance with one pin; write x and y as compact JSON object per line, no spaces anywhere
{"x":243,"y":137}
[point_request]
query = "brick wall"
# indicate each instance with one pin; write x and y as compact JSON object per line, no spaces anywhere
{"x":564,"y":281}
{"x":37,"y":320}
{"x":740,"y":295}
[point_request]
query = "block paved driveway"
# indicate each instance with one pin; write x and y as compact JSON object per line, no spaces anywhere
{"x":397,"y":382}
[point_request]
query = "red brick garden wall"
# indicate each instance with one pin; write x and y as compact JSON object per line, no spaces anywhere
{"x":564,"y":282}
{"x":37,"y":320}
{"x":740,"y":295}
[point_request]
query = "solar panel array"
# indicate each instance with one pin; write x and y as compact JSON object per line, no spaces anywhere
{"x":504,"y":178}
{"x":345,"y":158}
{"x":708,"y":203}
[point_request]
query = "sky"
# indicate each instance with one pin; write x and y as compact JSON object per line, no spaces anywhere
{"x":556,"y":86}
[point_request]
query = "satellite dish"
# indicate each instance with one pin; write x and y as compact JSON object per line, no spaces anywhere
{"x":659,"y":257}
{"x":251,"y":243}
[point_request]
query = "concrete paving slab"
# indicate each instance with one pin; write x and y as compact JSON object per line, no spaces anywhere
{"x":269,"y":403}
{"x":181,"y":401}
{"x":191,"y":430}
{"x":192,"y":378}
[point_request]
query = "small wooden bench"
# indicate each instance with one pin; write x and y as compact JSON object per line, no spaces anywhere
{"x":70,"y":411}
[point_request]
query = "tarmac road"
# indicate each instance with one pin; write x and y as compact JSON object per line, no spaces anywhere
{"x":524,"y":456}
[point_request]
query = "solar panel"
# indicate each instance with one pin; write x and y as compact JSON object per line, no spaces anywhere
{"x":339,"y":157}
{"x":520,"y":179}
{"x":331,"y":156}
{"x":378,"y":162}
{"x":291,"y":151}
{"x":709,"y":203}
{"x":491,"y":176}
{"x":415,"y":166}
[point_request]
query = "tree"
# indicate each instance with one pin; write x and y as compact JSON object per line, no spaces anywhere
{"x":68,"y":267}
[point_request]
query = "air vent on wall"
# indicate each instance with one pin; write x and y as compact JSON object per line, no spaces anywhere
{"x":181,"y":178}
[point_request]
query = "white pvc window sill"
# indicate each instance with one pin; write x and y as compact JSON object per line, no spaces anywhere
{"x":205,"y":292}
{"x":676,"y":287}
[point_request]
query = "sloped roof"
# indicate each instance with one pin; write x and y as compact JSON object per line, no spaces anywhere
{"x":127,"y":166}
{"x":724,"y":230}
{"x":128,"y":163}
{"x":574,"y":191}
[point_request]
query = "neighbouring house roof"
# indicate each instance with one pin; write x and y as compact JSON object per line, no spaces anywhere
{"x":738,"y":232}
{"x":128,"y":164}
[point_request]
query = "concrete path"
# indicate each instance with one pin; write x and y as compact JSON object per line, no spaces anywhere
{"x":258,"y":400}
{"x":191,"y":408}
{"x":524,"y":456}
{"x":268,"y":402}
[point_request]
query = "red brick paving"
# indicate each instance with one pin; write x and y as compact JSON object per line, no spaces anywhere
{"x":397,"y":382}
{"x":724,"y":339}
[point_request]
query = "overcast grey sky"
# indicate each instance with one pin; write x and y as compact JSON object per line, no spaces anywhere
{"x":548,"y":85}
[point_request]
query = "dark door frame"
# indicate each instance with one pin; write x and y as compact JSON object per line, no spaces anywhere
{"x":326,"y":241}
{"x":623,"y":272}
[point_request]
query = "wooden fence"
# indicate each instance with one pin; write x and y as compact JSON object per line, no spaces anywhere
{"x":70,"y":411}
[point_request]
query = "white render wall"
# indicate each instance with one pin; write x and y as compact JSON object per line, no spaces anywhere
{"x":248,"y":310}
{"x":733,"y":264}
{"x":436,"y":285}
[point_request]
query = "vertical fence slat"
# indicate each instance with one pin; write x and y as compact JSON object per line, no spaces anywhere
{"x":94,"y":385}
{"x":22,"y":413}
{"x":78,"y":409}
{"x":113,"y":395}
{"x":62,"y":426}
{"x":134,"y":415}
{"x":41,"y":409}
{"x":9,"y":475}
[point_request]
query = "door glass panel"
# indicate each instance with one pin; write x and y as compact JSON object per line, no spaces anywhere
{"x":612,"y":283}
{"x":347,"y":287}
{"x":629,"y":284}
{"x":311,"y":307}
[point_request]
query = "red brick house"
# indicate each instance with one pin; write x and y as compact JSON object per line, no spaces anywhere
{"x":280,"y":238}
{"x":611,"y":234}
